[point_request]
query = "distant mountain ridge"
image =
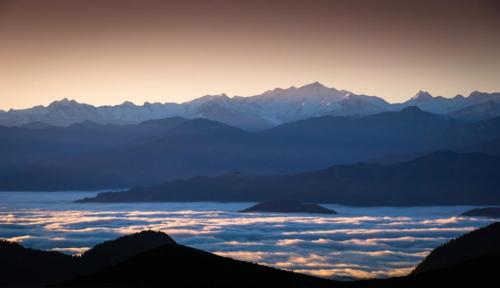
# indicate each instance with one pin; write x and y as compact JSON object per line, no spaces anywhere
{"x":441,"y":178}
{"x":271,"y":108}
{"x":93,"y":156}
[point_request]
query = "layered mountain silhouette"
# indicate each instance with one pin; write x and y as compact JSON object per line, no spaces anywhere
{"x":441,"y":178}
{"x":467,"y":260}
{"x":271,"y":108}
{"x":483,"y":110}
{"x":95,"y":156}
{"x":491,"y":147}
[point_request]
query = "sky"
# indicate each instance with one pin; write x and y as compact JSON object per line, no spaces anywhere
{"x":108,"y":51}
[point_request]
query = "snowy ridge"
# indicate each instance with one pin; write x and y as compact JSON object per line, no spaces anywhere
{"x":271,"y":108}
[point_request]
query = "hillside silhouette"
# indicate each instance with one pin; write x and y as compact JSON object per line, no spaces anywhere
{"x":21,"y":266}
{"x":152,"y":259}
{"x":467,"y":247}
{"x":181,"y":266}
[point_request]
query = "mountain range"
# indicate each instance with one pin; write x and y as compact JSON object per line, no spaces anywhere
{"x":269,"y":109}
{"x":91,"y":156}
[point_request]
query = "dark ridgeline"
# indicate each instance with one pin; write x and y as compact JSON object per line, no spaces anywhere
{"x":181,"y":266}
{"x":287,"y":206}
{"x":478,"y":272}
{"x":491,"y":147}
{"x":94,"y":156}
{"x":467,"y":247}
{"x":477,"y":265}
{"x":472,"y":259}
{"x":21,"y":266}
{"x":115,"y":251}
{"x":490,"y":212}
{"x":143,"y":259}
{"x":441,"y":178}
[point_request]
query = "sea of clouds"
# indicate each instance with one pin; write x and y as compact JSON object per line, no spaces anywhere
{"x":357,"y":243}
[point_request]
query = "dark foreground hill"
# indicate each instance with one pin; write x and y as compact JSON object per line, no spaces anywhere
{"x":442,"y":178}
{"x":180,"y":266}
{"x":143,"y":259}
{"x":470,"y":246}
{"x":20,"y":266}
{"x":476,"y":267}
{"x":478,"y":272}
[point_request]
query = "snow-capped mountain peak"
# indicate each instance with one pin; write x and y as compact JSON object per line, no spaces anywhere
{"x":273,"y":107}
{"x":314,"y":85}
{"x":128,"y":104}
{"x":63,"y":102}
{"x":422,"y":96}
{"x":310,"y":93}
{"x":482,"y":96}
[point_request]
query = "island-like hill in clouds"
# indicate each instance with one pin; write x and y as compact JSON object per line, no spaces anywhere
{"x":441,"y":178}
{"x":269,"y":109}
{"x":486,"y":212}
{"x":287,"y":206}
{"x":95,"y":156}
{"x":150,"y":259}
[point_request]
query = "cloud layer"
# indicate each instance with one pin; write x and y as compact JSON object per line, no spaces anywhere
{"x":357,"y":243}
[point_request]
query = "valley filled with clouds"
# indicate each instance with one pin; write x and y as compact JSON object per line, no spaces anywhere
{"x":357,"y":243}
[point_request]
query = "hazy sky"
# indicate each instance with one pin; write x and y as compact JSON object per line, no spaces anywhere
{"x":105,"y":52}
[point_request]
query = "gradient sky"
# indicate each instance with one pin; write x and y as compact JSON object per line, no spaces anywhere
{"x":106,"y":52}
